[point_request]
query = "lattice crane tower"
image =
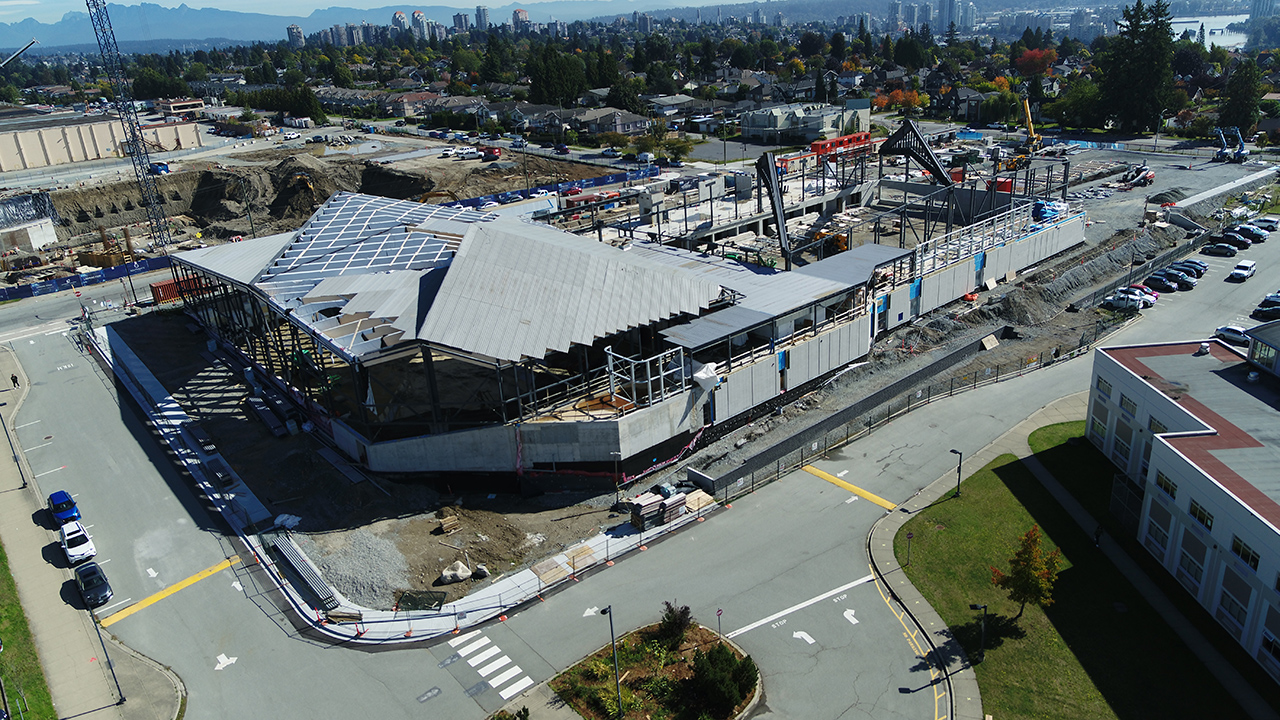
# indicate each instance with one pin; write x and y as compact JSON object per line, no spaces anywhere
{"x":135,"y":144}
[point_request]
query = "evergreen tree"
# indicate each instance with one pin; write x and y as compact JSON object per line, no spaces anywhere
{"x":1137,"y":76}
{"x":1243,"y":96}
{"x":1200,"y":37}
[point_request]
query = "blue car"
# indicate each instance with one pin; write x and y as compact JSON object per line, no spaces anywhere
{"x":62,"y":507}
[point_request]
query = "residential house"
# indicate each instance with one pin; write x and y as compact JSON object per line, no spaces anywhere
{"x":802,"y":121}
{"x":409,"y":104}
{"x":961,"y":103}
{"x":667,"y":105}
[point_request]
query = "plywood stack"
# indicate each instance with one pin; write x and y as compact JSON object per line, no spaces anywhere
{"x":697,"y":500}
{"x":646,"y":510}
{"x":673,"y":507}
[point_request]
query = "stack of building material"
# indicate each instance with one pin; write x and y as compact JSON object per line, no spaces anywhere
{"x":697,"y":500}
{"x":646,"y":510}
{"x":673,"y":507}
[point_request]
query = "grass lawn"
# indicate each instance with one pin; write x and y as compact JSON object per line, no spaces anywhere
{"x":18,"y":663}
{"x":1098,"y":652}
{"x":1086,"y":473}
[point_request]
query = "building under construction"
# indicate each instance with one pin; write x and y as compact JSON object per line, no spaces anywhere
{"x":426,"y":338}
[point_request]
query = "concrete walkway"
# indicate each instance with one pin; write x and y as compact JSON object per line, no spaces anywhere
{"x":968,"y":703}
{"x":77,"y":662}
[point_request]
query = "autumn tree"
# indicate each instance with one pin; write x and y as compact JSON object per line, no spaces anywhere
{"x":1032,"y":573}
{"x":1036,"y":62}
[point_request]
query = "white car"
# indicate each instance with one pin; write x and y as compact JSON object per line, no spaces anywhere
{"x":610,"y":153}
{"x":543,"y":193}
{"x":76,"y":542}
{"x":1121,"y":302}
{"x":1147,"y":299}
{"x":1243,"y":271}
{"x":292,"y":135}
{"x":447,"y":152}
{"x":1270,"y":223}
{"x":489,"y":205}
{"x":1233,"y":334}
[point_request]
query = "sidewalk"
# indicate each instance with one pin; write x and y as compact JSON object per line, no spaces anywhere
{"x":968,"y":703}
{"x":75,"y":662}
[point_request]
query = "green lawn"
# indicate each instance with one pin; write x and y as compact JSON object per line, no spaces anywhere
{"x":1098,"y":652}
{"x":18,"y":663}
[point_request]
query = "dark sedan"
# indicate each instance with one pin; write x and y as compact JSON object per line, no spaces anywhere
{"x":1236,"y":241}
{"x":1267,"y":313}
{"x":93,"y":585}
{"x":1220,"y":249}
{"x":1160,"y":283}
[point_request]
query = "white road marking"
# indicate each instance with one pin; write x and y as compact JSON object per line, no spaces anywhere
{"x":591,"y":611}
{"x":122,"y":602}
{"x":484,"y":655}
{"x":802,"y":635}
{"x":842,"y":473}
{"x":852,"y":499}
{"x":104,"y":562}
{"x":511,"y":672}
{"x":224,"y":661}
{"x":800,"y":606}
{"x":848,"y":615}
{"x":236,"y":584}
{"x":463,"y":638}
{"x":487,"y":670}
{"x":33,"y":422}
{"x":515,"y":689}
{"x":46,"y":472}
{"x":151,"y":573}
{"x":463,"y":652}
{"x":36,"y":447}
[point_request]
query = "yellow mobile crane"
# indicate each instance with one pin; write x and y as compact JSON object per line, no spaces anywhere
{"x":1034,"y":142}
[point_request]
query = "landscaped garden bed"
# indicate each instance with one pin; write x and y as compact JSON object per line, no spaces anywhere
{"x":672,"y":669}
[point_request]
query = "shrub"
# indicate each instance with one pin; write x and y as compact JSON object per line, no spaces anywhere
{"x":660,"y":687}
{"x":720,"y":681}
{"x":597,"y":670}
{"x":521,"y":714}
{"x":606,"y":700}
{"x":674,"y":624}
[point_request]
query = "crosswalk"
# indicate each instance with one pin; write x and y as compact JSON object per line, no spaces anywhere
{"x":493,"y":665}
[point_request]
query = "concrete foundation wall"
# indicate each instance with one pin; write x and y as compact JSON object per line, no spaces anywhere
{"x":743,"y":389}
{"x":66,"y":144}
{"x":29,"y":237}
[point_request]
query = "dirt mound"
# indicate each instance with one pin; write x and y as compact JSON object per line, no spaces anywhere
{"x":1171,"y":195}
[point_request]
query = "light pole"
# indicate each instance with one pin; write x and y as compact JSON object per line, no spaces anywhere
{"x":617,"y":679}
{"x":982,"y":647}
{"x":617,"y":477}
{"x":959,"y":466}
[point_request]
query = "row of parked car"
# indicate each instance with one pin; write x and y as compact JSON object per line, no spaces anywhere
{"x":78,"y":546}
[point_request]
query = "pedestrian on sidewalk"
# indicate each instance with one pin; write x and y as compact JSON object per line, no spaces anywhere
{"x":14,"y":378}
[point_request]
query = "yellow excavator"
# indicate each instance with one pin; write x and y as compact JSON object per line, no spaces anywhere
{"x":1034,"y":142}
{"x":447,"y":193}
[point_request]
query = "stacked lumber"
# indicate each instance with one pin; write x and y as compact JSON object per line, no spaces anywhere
{"x":646,"y":510}
{"x":673,"y":507}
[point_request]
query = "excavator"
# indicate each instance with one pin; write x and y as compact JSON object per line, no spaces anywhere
{"x":1034,"y":142}
{"x":447,"y":193}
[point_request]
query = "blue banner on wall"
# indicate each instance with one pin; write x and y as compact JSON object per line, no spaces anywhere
{"x":90,"y":278}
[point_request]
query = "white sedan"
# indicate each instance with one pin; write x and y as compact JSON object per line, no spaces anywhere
{"x":76,"y":542}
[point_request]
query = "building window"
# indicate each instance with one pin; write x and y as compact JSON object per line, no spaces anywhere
{"x":1188,"y":565}
{"x":1244,"y":552}
{"x":1158,"y":535}
{"x":1104,"y":388}
{"x":1128,"y":405}
{"x":1263,"y":355}
{"x":1232,"y":607}
{"x":1202,"y":516}
{"x":1270,"y":645}
{"x":1169,"y":487}
{"x":1099,"y":429}
{"x":1156,"y":427}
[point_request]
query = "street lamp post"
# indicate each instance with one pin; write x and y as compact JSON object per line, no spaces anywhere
{"x":959,"y":466}
{"x":617,"y":679}
{"x":617,"y":477}
{"x":982,"y":647}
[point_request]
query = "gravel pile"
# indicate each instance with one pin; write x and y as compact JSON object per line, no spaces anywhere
{"x":364,"y":567}
{"x":1171,"y":195}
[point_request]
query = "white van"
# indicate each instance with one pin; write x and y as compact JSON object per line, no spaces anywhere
{"x":468,"y":153}
{"x":645,"y":158}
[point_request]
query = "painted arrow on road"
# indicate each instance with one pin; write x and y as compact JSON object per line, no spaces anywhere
{"x":802,"y":635}
{"x":848,"y":615}
{"x":224,"y":661}
{"x":591,"y":611}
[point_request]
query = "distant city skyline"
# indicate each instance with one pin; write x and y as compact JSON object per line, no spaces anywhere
{"x":51,"y":11}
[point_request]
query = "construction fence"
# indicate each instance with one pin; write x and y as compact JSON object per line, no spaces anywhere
{"x":89,"y":278}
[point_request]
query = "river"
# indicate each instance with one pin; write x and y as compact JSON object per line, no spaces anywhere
{"x":1214,"y":28}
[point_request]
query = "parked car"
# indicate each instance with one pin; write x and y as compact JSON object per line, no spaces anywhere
{"x":629,"y":157}
{"x":1272,"y":300}
{"x":292,"y":135}
{"x":1233,"y":334}
{"x":575,"y":190}
{"x":1238,"y":242}
{"x":676,"y":163}
{"x":93,"y":585}
{"x":1194,"y":271}
{"x":1267,"y":313}
{"x":610,"y":153}
{"x":1121,"y":302}
{"x":517,"y":144}
{"x":509,"y":197}
{"x":1220,"y":250}
{"x":562,"y":149}
{"x":490,"y":205}
{"x":1181,"y":279}
{"x":1145,"y":299}
{"x":447,"y":152}
{"x":1193,"y":261}
{"x":1146,"y":290}
{"x":62,"y":507}
{"x":76,"y":543}
{"x":1160,"y":283}
{"x":1243,"y":271}
{"x":1270,"y":223}
{"x":1254,"y":233}
{"x":546,"y":145}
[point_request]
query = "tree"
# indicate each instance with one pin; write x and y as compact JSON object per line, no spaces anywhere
{"x":838,"y":46}
{"x":626,"y":96}
{"x":1243,"y":96}
{"x":1032,"y":573}
{"x":342,"y":76}
{"x":1137,"y":67}
{"x":1034,"y":63}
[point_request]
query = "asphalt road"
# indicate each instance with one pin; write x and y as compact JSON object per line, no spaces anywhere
{"x":776,"y":556}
